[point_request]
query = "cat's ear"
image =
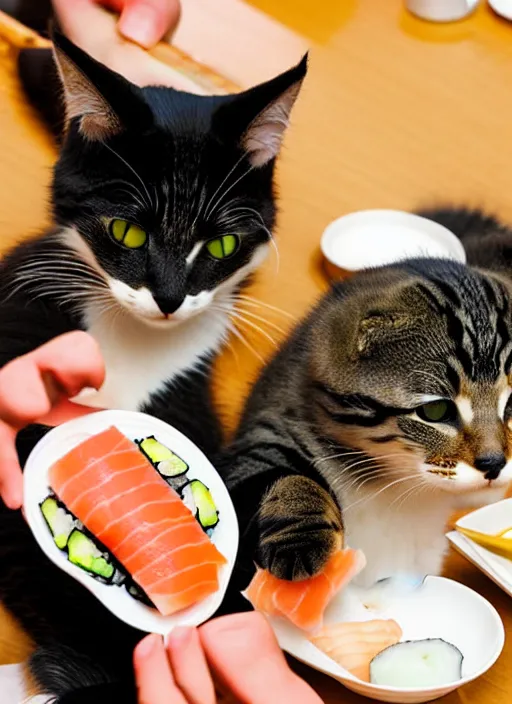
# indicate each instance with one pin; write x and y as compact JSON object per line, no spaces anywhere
{"x":261,"y":114}
{"x":104,"y":102}
{"x":378,"y":326}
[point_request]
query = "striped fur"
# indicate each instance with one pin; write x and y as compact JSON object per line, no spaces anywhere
{"x":334,"y":444}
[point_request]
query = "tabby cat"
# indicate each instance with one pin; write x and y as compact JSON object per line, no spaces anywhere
{"x":163,"y":205}
{"x":387,"y":407}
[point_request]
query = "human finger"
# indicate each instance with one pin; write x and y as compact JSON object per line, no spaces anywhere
{"x":11,"y":479}
{"x":32,"y":384}
{"x":243,"y":651}
{"x":189,"y":666}
{"x":155,"y":683}
{"x":146,"y":22}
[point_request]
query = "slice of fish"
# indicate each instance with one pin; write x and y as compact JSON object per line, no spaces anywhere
{"x":304,"y":602}
{"x":114,"y":490}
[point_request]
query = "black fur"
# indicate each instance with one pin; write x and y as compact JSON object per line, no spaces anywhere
{"x":176,"y":165}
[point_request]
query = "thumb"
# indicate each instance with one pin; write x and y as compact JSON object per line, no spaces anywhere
{"x":145,"y":22}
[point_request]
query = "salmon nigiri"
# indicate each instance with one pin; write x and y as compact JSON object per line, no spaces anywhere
{"x":109,"y":485}
{"x":304,"y":602}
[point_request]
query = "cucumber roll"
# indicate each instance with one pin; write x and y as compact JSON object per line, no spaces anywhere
{"x":59,"y":521}
{"x":83,"y":552}
{"x":166,"y":462}
{"x":197,"y":497}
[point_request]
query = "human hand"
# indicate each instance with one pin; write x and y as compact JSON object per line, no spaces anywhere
{"x":120,"y":43}
{"x":240,"y":650}
{"x":37,"y":388}
{"x":145,"y":22}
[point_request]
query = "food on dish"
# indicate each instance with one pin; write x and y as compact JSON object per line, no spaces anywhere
{"x":354,"y":645}
{"x":304,"y":602}
{"x":501,"y":544}
{"x":83,"y":552}
{"x":60,"y":522}
{"x":417,"y":663}
{"x":198,"y":498}
{"x":114,"y":510}
{"x":162,"y":458}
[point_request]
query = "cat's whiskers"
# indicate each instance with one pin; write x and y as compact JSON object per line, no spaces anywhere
{"x":373,"y":458}
{"x":355,"y":478}
{"x":230,"y":307}
{"x":266,"y":229}
{"x":51,"y":277}
{"x":148,"y":196}
{"x":61,"y":275}
{"x":221,"y":197}
{"x":374,"y":467}
{"x":238,"y":334}
{"x":254,"y":316}
{"x":235,"y":315}
{"x":249,"y":300}
{"x":369,"y":475}
{"x":133,"y":193}
{"x":372,"y":497}
{"x":227,"y":341}
{"x":408,"y":494}
{"x":231,"y":171}
{"x":382,"y":472}
{"x":337,"y":455}
{"x":50,"y":266}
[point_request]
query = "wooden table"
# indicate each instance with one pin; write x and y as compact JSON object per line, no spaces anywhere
{"x":396,"y":113}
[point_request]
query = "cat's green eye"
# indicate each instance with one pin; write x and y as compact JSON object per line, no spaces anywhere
{"x":223,"y":247}
{"x":128,"y":234}
{"x":437,"y":411}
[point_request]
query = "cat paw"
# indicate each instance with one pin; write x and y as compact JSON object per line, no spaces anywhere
{"x":300,"y":528}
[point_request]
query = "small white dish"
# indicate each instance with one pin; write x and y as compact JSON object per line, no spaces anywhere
{"x":440,"y":608}
{"x":372,"y":238}
{"x":61,"y":440}
{"x":502,"y":8}
{"x":491,"y":519}
{"x":442,"y":10}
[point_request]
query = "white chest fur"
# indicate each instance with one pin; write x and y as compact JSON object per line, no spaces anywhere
{"x":398,"y":535}
{"x":139,"y":359}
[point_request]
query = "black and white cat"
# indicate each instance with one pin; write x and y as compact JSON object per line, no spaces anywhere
{"x":163,"y":205}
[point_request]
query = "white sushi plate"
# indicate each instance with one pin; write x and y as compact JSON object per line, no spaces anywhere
{"x":491,"y":519}
{"x":439,"y":608}
{"x":134,"y":425}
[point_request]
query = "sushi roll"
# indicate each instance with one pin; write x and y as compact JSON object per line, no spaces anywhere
{"x":197,"y":497}
{"x":164,"y":460}
{"x":83,"y":552}
{"x":60,"y":522}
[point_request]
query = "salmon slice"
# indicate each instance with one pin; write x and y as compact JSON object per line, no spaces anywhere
{"x":353,"y":645}
{"x":108,"y":484}
{"x":304,"y":602}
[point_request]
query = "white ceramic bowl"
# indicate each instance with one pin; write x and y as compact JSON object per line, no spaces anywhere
{"x":61,"y":440}
{"x":371,"y":238}
{"x":440,"y":608}
{"x":502,"y":7}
